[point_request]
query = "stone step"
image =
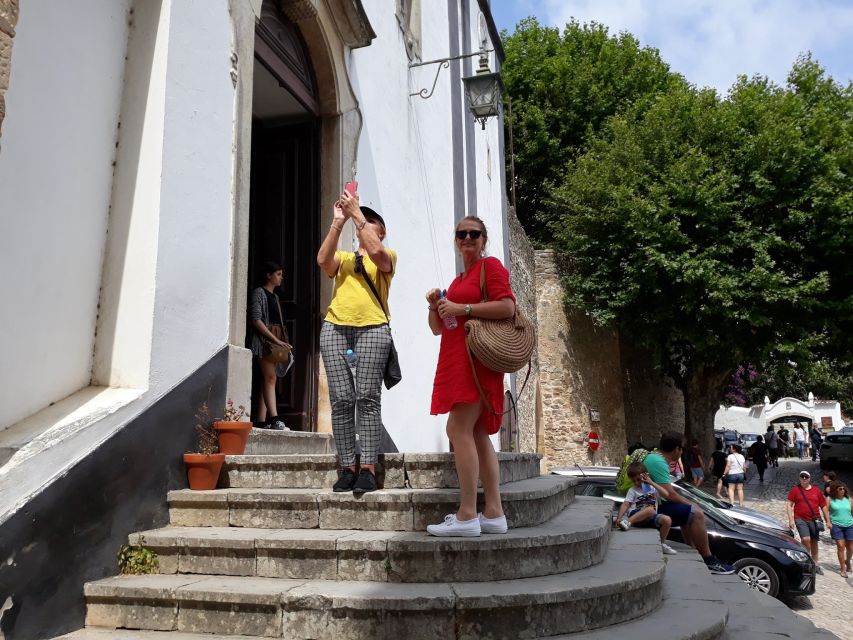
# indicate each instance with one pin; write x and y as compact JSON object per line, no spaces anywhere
{"x":422,"y":470}
{"x":526,"y":503}
{"x":614,"y":591}
{"x":572,"y":540}
{"x":693,"y":605}
{"x":268,"y":442}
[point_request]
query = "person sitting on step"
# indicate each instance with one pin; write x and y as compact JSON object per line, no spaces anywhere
{"x":641,"y":505}
{"x":684,"y":514}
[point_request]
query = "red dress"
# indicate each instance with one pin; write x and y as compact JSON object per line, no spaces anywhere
{"x":454,"y":381}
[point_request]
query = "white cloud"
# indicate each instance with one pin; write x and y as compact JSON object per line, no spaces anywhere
{"x":711,"y":42}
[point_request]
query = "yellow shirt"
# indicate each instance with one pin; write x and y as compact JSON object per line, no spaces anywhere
{"x":353,"y":304}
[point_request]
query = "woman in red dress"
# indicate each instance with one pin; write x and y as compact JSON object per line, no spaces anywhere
{"x":471,"y":421}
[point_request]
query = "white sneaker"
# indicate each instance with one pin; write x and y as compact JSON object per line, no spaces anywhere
{"x":667,"y":550}
{"x":492,"y":525}
{"x":453,"y":527}
{"x":624,"y":524}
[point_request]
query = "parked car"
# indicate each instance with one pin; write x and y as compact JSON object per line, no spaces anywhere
{"x":746,"y":441}
{"x":727,"y":437}
{"x":837,"y":449}
{"x":768,"y":560}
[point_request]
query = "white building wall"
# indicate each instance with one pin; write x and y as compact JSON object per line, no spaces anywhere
{"x":55,"y":179}
{"x":194,"y":255}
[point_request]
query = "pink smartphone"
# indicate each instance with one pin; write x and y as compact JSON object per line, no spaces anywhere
{"x":351,"y":187}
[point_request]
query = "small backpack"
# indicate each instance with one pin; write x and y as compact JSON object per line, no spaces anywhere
{"x":623,"y":482}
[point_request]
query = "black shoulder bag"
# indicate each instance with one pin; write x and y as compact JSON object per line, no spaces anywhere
{"x":392,"y":374}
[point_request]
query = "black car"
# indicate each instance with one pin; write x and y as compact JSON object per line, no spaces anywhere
{"x":770,"y":562}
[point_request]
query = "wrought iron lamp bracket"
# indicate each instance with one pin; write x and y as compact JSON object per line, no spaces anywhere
{"x":443,"y":63}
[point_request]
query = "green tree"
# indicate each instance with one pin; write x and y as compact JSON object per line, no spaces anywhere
{"x":691,"y":225}
{"x":563,"y":87}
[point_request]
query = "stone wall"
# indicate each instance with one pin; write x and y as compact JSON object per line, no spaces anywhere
{"x":522,"y":268}
{"x":579,"y":371}
{"x":652,"y":403}
{"x":8,"y":20}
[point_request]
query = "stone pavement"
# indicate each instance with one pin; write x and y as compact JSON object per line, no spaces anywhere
{"x":830,"y":606}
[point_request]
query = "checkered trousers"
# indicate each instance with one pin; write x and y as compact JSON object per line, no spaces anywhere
{"x":360,"y":396}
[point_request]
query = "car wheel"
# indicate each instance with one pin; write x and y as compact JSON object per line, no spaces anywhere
{"x":758,"y":575}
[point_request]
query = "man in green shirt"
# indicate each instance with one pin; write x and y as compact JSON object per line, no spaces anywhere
{"x":683,"y":513}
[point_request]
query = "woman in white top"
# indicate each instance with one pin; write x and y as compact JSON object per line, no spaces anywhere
{"x":735,"y":473}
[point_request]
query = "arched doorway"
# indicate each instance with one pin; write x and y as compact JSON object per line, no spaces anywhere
{"x":283,"y":201}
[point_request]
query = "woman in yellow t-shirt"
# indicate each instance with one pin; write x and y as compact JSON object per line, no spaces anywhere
{"x":356,"y":338}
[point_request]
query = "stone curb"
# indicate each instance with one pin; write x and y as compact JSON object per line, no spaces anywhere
{"x":526,"y":503}
{"x":574,"y":539}
{"x":604,"y":594}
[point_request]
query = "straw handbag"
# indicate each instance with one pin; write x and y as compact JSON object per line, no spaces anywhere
{"x":501,"y":345}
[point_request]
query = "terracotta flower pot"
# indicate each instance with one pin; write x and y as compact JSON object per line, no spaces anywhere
{"x":203,"y":469}
{"x":232,"y":436}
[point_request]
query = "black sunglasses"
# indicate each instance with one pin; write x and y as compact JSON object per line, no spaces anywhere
{"x":359,"y":263}
{"x":461,"y":234}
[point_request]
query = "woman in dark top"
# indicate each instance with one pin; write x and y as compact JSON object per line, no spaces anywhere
{"x":759,"y":456}
{"x":265,"y":318}
{"x":717,"y":466}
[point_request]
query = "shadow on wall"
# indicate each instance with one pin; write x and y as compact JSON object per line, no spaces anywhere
{"x":70,"y":533}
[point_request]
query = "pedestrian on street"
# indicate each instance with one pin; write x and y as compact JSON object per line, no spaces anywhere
{"x":697,"y":464}
{"x":828,"y":478}
{"x":759,"y":456}
{"x":805,"y":506}
{"x":800,"y":440}
{"x":716,"y":468}
{"x":355,"y":339}
{"x":473,"y":407}
{"x":784,"y":441}
{"x":841,"y":517}
{"x":735,"y":473}
{"x":772,"y":442}
{"x":816,"y":438}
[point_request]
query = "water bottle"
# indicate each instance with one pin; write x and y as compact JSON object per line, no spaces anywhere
{"x":450,"y":321}
{"x":352,"y":359}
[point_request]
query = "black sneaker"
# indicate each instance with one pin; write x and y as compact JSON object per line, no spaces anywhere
{"x":715,"y":565}
{"x":276,"y":424}
{"x":346,"y":481}
{"x":366,"y":482}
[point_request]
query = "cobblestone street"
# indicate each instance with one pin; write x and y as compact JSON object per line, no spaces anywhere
{"x":830,"y":606}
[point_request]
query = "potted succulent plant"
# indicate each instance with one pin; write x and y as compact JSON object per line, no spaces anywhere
{"x":233,"y":430}
{"x":204,"y":466}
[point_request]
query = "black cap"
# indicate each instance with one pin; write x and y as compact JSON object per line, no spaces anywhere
{"x":370,"y":214}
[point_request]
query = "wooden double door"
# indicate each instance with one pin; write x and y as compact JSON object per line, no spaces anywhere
{"x":284,"y":228}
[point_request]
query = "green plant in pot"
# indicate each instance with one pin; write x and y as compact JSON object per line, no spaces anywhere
{"x":233,"y":430}
{"x":204,"y":466}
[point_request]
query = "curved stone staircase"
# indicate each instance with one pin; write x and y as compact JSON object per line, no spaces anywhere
{"x":301,"y":562}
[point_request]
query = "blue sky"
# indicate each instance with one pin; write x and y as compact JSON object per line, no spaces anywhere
{"x":711,"y":42}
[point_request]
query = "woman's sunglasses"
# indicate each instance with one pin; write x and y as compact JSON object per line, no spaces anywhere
{"x":461,"y":234}
{"x":359,"y":263}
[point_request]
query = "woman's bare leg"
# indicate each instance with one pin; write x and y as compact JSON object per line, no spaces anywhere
{"x":489,"y":473}
{"x":270,"y":409}
{"x":731,"y":491}
{"x":740,"y":494}
{"x":840,"y":549}
{"x":460,"y":430}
